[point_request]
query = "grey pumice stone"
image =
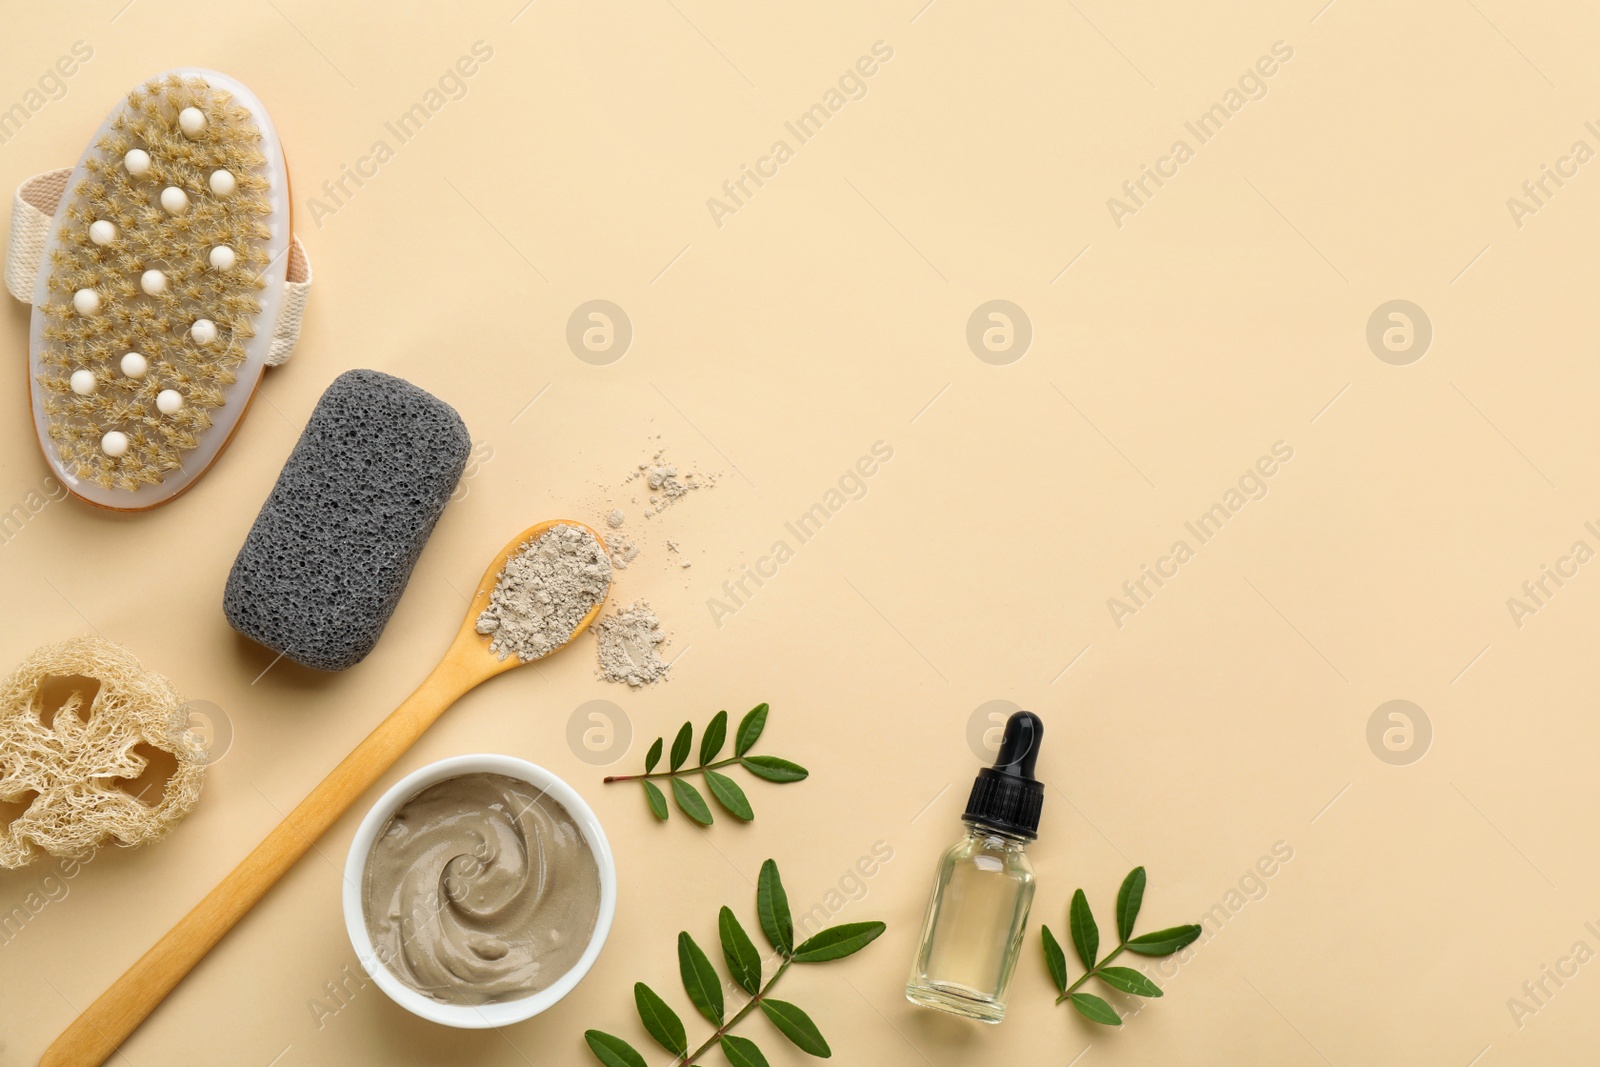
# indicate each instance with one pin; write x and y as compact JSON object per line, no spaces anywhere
{"x":333,"y":547}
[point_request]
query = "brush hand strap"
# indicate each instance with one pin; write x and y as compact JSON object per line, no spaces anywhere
{"x":31,"y":210}
{"x":296,"y":288}
{"x":34,"y":206}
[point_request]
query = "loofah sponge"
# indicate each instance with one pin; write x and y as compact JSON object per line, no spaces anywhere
{"x":331,"y":552}
{"x":60,"y":764}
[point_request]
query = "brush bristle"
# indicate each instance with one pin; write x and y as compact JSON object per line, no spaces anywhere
{"x":156,"y":326}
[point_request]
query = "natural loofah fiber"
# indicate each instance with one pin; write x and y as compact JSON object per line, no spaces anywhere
{"x":129,"y":320}
{"x":65,"y":760}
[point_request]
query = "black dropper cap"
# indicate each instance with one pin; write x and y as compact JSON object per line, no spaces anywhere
{"x":1007,"y":797}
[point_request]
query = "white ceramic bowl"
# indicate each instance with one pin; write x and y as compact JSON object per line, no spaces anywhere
{"x":476,"y":1016}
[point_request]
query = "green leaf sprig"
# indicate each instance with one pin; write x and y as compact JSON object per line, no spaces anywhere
{"x":1086,"y":939}
{"x":704,"y":986}
{"x":725,"y":789}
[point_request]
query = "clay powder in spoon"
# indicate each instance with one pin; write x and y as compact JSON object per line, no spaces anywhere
{"x":544,"y":592}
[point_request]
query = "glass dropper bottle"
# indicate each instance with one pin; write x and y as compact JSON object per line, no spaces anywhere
{"x":983,"y":887}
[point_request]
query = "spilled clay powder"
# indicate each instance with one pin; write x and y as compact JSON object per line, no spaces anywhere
{"x":624,"y":550}
{"x":666,"y":485}
{"x":629,"y":638}
{"x":545,"y":590}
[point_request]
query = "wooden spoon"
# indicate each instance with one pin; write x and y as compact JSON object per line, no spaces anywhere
{"x":95,"y":1034}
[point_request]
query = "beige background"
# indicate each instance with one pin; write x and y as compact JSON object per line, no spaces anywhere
{"x":1228,"y":313}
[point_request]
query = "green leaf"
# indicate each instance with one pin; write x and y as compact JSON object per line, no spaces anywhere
{"x":774,"y":769}
{"x":662,"y":1022}
{"x":837,"y":942}
{"x":711,"y":741}
{"x":1129,"y":980}
{"x":1129,"y":897}
{"x":658,"y":803}
{"x":690,"y":800}
{"x":1095,"y":1010}
{"x":1085,"y":934}
{"x":1164,"y":942}
{"x":700,"y":979}
{"x":1054,"y":958}
{"x":744,"y":962}
{"x":797,"y":1027}
{"x":772,"y":906}
{"x":742,"y":1052}
{"x":654,"y":757}
{"x":680,"y":745}
{"x":612,"y":1051}
{"x":729,"y":795}
{"x":750,"y":728}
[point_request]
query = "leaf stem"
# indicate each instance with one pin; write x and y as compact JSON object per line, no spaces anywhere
{"x":670,"y":774}
{"x":1113,"y":954}
{"x":740,"y":1014}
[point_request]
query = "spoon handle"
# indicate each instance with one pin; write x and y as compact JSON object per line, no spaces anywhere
{"x":109,"y":1021}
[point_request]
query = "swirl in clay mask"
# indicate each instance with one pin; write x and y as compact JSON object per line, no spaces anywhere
{"x":480,"y":889}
